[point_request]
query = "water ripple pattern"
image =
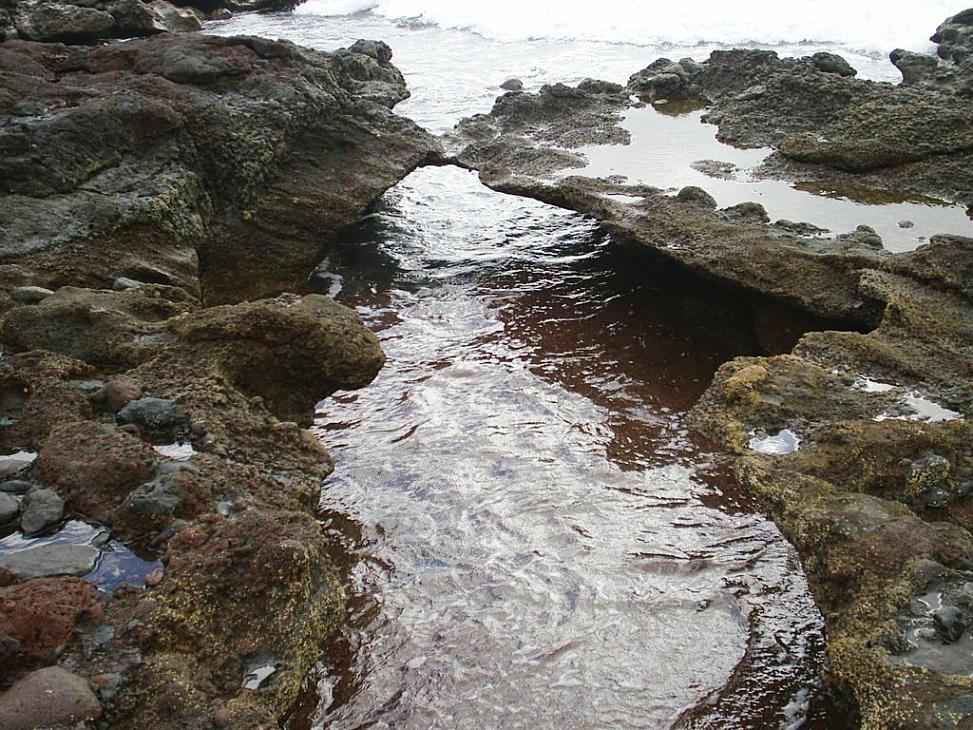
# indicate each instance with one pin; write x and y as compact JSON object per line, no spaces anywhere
{"x":537,"y":542}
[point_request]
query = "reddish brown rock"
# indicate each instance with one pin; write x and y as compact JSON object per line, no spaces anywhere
{"x":95,"y":466}
{"x":40,"y":615}
{"x":118,"y":392}
{"x":47,"y":697}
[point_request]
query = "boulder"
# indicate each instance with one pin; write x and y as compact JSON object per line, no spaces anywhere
{"x":54,"y":21}
{"x":832,"y":63}
{"x":42,"y":615}
{"x":138,"y":18}
{"x":29,"y":294}
{"x":291,"y":352}
{"x":15,"y":486}
{"x":954,"y":37}
{"x":12,"y":468}
{"x":233,"y":162}
{"x":916,"y":68}
{"x":664,"y":79}
{"x":119,"y":391}
{"x":159,"y":417}
{"x":47,"y":697}
{"x":95,"y":465}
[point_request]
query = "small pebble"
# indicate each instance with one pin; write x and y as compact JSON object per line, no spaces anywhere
{"x":9,"y":508}
{"x":15,"y":486}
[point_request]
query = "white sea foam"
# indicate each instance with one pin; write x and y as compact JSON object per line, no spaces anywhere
{"x":872,"y":25}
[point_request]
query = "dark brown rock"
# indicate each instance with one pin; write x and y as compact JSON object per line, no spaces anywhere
{"x":56,"y":21}
{"x":248,"y":161}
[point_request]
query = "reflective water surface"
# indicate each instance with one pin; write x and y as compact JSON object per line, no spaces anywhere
{"x":670,"y":151}
{"x":535,"y":538}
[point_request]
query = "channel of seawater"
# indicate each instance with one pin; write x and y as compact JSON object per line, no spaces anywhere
{"x":530,"y":536}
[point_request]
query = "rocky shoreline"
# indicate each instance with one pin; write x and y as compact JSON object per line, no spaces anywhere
{"x":858,"y":443}
{"x":153,"y":194}
{"x":159,"y":198}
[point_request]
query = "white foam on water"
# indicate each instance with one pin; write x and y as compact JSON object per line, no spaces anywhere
{"x":796,"y":710}
{"x":864,"y":24}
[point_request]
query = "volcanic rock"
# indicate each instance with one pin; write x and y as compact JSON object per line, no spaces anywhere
{"x":47,"y":697}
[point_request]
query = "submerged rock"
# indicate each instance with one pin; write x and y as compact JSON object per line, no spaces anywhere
{"x":49,"y":560}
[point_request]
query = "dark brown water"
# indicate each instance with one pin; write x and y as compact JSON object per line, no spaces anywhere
{"x":531,"y":536}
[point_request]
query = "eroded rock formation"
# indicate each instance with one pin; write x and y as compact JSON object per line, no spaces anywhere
{"x":157,"y":199}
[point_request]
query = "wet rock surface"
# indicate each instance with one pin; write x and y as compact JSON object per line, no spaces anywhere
{"x":46,"y":698}
{"x":872,"y":483}
{"x":148,"y":189}
{"x":50,"y":560}
{"x":88,"y":21}
{"x":244,"y":152}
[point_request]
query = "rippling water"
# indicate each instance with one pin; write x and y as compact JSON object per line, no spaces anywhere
{"x":536,"y":539}
{"x":530,"y":535}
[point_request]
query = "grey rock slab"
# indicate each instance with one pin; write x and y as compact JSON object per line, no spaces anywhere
{"x":155,"y":415}
{"x":52,"y":559}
